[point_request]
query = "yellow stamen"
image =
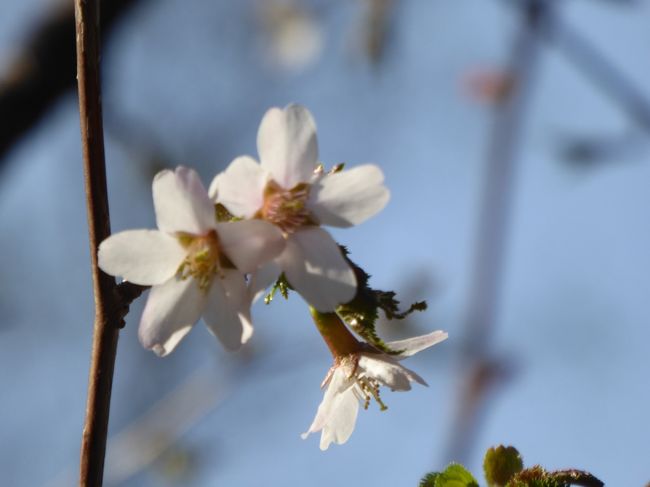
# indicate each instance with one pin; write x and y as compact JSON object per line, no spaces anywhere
{"x":202,"y":260}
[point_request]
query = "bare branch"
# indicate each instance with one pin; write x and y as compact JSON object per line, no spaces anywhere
{"x":107,"y":308}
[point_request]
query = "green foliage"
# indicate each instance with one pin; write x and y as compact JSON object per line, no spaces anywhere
{"x":534,"y":476}
{"x":503,"y":467}
{"x":363,"y":311}
{"x":455,"y":475}
{"x":429,"y":479}
{"x":281,"y":285}
{"x":500,"y":464}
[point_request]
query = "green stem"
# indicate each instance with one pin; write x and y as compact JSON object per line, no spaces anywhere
{"x":338,"y":338}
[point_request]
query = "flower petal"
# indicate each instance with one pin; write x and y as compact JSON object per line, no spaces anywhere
{"x":341,"y":423}
{"x":338,"y":385}
{"x":227,"y":313}
{"x":249,"y":244}
{"x":411,"y":346}
{"x":286,"y":142}
{"x":171,"y":310}
{"x":240,"y":188}
{"x":388,"y":372}
{"x":182,"y":203}
{"x":315,"y":267}
{"x":349,"y":197}
{"x":145,"y":257}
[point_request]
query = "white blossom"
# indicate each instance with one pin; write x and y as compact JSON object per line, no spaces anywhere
{"x":289,"y":189}
{"x":193,"y":264}
{"x":357,"y":378}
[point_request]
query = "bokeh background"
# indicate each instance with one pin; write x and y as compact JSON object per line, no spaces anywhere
{"x":517,"y":157}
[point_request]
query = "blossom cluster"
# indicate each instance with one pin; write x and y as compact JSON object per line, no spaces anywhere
{"x":216,"y":251}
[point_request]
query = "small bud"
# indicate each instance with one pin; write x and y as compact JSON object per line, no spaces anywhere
{"x":500,"y":464}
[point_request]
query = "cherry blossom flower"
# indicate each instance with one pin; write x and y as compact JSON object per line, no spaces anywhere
{"x":356,"y":378}
{"x":194,"y":264}
{"x":290,"y":189}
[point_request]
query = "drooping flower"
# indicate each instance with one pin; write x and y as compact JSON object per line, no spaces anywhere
{"x":357,"y":377}
{"x":289,"y":189}
{"x":194,"y":264}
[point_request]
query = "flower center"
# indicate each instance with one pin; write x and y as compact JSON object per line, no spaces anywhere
{"x":286,"y":208}
{"x":366,"y":388}
{"x":202,"y":260}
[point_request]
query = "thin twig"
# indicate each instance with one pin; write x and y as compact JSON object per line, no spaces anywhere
{"x":480,"y":369}
{"x":107,"y":319}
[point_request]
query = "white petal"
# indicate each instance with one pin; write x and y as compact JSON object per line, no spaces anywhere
{"x":240,"y":188}
{"x":261,"y":279}
{"x":315,"y":267}
{"x":342,"y":420}
{"x":388,"y":372}
{"x":227,"y":313}
{"x":145,"y":257}
{"x":182,"y":203}
{"x":411,"y":346}
{"x":338,"y":385}
{"x":249,"y":244}
{"x":170,"y":312}
{"x":286,"y":142}
{"x":349,"y":197}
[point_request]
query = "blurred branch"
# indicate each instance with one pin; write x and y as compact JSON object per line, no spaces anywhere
{"x":598,"y":69}
{"x":44,"y":70}
{"x":378,"y":24}
{"x":148,"y":437}
{"x":145,"y":439}
{"x":480,"y":370}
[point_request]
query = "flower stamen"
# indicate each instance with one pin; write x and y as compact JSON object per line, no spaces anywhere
{"x":202,"y":260}
{"x":286,"y":208}
{"x":370,"y":390}
{"x":367,"y":388}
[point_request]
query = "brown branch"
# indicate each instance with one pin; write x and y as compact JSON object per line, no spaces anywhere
{"x":108,"y":309}
{"x":43,"y":71}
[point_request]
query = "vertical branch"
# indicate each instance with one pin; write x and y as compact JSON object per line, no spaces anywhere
{"x":479,"y":368}
{"x":107,"y":319}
